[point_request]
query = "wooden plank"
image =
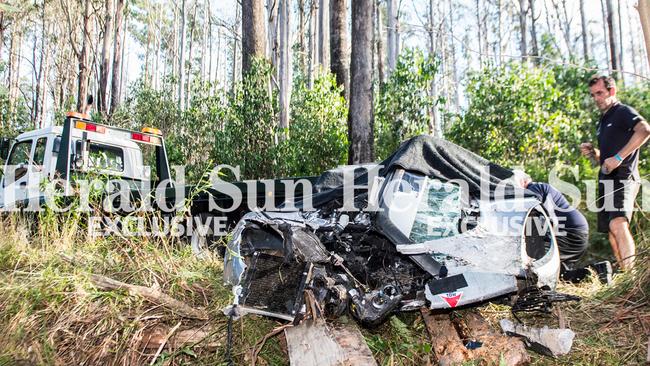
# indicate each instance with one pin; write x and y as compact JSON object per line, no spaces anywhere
{"x":355,"y":348}
{"x":316,"y":344}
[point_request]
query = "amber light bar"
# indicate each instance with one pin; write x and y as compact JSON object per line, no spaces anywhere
{"x":89,"y":127}
{"x":145,"y":138}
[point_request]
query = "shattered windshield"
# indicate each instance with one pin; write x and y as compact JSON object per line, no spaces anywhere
{"x":422,"y":208}
{"x":438,"y":213}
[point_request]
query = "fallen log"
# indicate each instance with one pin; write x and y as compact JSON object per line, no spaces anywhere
{"x":154,"y":295}
{"x":469,"y":337}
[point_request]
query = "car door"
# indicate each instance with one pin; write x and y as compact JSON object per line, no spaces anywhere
{"x":16,"y":178}
{"x":37,"y":171}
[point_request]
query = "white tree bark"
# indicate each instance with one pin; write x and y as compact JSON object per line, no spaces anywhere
{"x":433,"y":117}
{"x":106,"y":57}
{"x":392,"y":34}
{"x":181,"y":57}
{"x":285,"y":62}
{"x":324,"y":34}
{"x":585,"y":39}
{"x":313,"y":43}
{"x":643,"y":8}
{"x":273,"y":31}
{"x":381,"y":56}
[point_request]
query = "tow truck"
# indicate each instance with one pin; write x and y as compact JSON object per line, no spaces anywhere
{"x":81,"y":147}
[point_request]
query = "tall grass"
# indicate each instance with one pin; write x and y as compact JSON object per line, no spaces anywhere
{"x":51,"y":313}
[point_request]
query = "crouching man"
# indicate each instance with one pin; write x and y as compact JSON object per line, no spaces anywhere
{"x":572,"y":230}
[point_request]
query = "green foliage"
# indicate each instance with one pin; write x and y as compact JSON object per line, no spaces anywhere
{"x":318,"y":137}
{"x":13,"y":119}
{"x":241,"y":128}
{"x":533,"y":117}
{"x":404,"y":105}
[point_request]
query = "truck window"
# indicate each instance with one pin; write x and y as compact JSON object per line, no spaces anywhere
{"x":106,"y":157}
{"x":39,"y":151}
{"x":20,"y":153}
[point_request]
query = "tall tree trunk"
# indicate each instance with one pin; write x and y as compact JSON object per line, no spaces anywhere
{"x":621,"y":45}
{"x":235,"y":48}
{"x":633,"y":45}
{"x":339,"y":46}
{"x":84,"y":70}
{"x":392,"y":34}
{"x":253,"y":34}
{"x":190,"y":58}
{"x":273,"y":32}
{"x":3,"y":26}
{"x":523,"y":44}
{"x":533,"y":31}
{"x":157,"y":38}
{"x":433,"y":118}
{"x":302,"y":46}
{"x":479,"y":29}
{"x":643,"y":8}
{"x":324,"y":34}
{"x":15,"y":50}
{"x":313,"y":43}
{"x":106,"y":57}
{"x":452,"y":51}
{"x":210,"y":42}
{"x":117,"y":55}
{"x":217,"y":63}
{"x":499,"y":51}
{"x":174,"y":50}
{"x":612,"y":25}
{"x":606,"y":35}
{"x":181,"y":57}
{"x":584,"y":35}
{"x":205,"y":48}
{"x":41,"y":80}
{"x":360,"y":116}
{"x":285,"y":62}
{"x":379,"y":24}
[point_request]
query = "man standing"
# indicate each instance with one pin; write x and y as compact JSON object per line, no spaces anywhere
{"x":621,"y":132}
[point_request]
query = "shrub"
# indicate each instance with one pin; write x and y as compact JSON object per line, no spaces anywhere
{"x":404,"y":104}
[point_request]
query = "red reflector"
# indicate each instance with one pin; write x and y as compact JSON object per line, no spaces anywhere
{"x":140,"y":137}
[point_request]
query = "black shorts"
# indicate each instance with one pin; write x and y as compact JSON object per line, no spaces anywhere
{"x":572,"y":244}
{"x":616,"y":198}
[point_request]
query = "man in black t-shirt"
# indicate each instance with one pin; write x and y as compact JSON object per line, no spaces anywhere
{"x":621,"y":132}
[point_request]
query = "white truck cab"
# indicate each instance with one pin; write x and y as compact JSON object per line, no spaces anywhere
{"x":81,"y":146}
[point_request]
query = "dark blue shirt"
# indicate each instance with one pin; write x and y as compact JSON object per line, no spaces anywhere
{"x":568,"y":217}
{"x":615,"y":129}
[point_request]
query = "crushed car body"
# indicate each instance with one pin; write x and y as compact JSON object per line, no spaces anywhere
{"x":435,"y":225}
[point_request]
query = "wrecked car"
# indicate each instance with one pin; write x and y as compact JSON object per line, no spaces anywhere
{"x":432,"y":225}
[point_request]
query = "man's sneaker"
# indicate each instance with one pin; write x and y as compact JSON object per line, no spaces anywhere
{"x":574,"y":275}
{"x":604,"y":270}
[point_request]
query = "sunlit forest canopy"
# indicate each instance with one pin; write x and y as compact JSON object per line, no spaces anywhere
{"x":269,"y":81}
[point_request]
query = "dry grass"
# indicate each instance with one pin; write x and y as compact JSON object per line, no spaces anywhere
{"x":52,"y":314}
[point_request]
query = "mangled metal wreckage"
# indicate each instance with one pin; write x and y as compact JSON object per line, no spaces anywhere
{"x":445,"y":231}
